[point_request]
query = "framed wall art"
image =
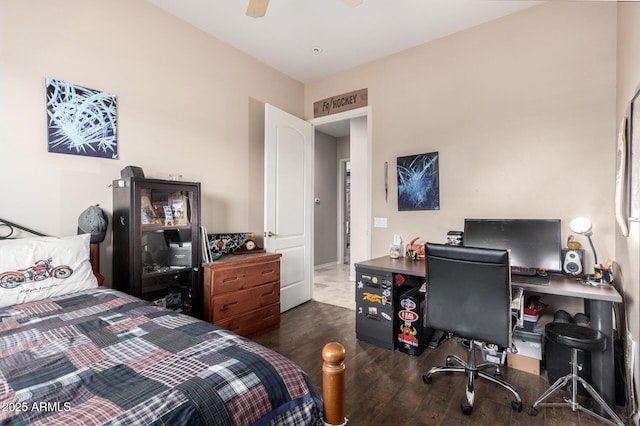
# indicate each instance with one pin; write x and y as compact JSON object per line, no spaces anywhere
{"x":80,"y":121}
{"x":621,"y":178}
{"x":418,"y":182}
{"x":633,"y":159}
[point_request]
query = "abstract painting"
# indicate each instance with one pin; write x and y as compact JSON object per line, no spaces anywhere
{"x":81,"y":121}
{"x":418,"y":182}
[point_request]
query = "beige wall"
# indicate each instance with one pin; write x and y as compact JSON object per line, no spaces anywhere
{"x":520,"y":109}
{"x":524,"y":113}
{"x":628,"y":82}
{"x":187,"y":103}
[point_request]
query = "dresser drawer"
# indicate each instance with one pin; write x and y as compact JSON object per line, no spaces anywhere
{"x":226,"y":305}
{"x":235,"y":279}
{"x":254,"y":323}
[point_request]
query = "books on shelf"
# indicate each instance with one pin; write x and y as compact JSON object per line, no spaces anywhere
{"x":206,"y":250}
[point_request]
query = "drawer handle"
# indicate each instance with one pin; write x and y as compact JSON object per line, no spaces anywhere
{"x":267,"y":294}
{"x":228,"y":305}
{"x":268,"y":272}
{"x":230,"y":279}
{"x":268,"y":315}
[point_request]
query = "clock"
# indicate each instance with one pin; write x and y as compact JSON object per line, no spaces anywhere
{"x":249,"y":246}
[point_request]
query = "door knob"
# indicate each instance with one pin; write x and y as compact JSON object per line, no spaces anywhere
{"x":269,"y":234}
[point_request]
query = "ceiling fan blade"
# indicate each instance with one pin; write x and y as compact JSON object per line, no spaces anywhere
{"x":353,"y":3}
{"x":257,"y":8}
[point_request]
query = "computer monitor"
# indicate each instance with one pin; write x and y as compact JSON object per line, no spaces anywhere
{"x":533,"y":243}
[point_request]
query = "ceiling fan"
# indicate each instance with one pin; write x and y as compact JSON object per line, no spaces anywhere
{"x":258,"y":8}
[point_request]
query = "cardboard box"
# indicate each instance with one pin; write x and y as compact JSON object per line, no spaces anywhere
{"x":523,"y":363}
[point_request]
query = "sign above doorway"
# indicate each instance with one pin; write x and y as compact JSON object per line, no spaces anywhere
{"x":341,"y":103}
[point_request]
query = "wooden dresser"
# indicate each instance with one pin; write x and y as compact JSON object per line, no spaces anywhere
{"x":242,"y":293}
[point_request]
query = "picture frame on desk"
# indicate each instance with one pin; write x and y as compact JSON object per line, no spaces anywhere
{"x":178,"y":203}
{"x":633,"y":159}
{"x":148,"y":213}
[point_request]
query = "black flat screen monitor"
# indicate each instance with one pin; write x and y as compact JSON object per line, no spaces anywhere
{"x":533,"y":243}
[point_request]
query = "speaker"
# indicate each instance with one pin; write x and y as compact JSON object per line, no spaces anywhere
{"x":572,"y":261}
{"x":132,"y":171}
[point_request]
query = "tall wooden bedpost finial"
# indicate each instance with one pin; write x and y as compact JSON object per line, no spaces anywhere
{"x":333,"y":368}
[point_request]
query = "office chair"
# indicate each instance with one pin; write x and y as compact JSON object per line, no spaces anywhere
{"x":469,"y":295}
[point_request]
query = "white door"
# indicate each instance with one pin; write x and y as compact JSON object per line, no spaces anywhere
{"x":289,"y":202}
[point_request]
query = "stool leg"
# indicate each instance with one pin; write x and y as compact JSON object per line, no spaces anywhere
{"x":560,"y":383}
{"x":573,"y":403}
{"x":574,"y":380}
{"x":615,"y":419}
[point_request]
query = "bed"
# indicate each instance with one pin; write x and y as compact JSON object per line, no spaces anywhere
{"x":75,"y":353}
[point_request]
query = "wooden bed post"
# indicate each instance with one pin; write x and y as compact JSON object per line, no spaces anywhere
{"x":333,"y":368}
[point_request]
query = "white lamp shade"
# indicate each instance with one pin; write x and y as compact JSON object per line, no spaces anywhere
{"x":580,"y":225}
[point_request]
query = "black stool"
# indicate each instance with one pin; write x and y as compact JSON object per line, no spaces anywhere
{"x":582,"y":338}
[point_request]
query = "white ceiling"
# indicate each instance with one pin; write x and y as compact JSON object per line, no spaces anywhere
{"x":286,"y":37}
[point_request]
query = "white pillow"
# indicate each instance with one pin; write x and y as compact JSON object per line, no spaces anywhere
{"x":37,"y":268}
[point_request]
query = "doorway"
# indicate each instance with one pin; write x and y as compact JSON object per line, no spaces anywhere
{"x":345,"y":210}
{"x":282,"y":130}
{"x":288,"y":214}
{"x":332,"y":192}
{"x":358,"y":238}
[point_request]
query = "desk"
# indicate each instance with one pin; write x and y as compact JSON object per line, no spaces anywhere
{"x":598,"y":304}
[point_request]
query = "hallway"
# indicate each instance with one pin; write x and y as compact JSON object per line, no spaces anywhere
{"x":331,"y":285}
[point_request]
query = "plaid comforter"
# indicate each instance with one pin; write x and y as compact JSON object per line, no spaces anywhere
{"x":104,"y":357}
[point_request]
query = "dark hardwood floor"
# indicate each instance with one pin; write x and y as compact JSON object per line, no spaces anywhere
{"x":385,"y":387}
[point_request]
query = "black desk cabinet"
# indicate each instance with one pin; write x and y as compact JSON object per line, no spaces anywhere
{"x":156,"y":242}
{"x":377,"y":298}
{"x":375,"y":302}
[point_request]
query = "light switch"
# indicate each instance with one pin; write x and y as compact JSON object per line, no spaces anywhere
{"x":379,"y":222}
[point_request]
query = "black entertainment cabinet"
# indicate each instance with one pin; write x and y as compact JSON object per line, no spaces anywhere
{"x":156,"y":242}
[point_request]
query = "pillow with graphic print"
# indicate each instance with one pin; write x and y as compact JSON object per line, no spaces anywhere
{"x":37,"y":268}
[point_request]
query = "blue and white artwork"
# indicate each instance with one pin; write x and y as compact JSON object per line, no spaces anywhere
{"x":418,"y":182}
{"x":81,"y":121}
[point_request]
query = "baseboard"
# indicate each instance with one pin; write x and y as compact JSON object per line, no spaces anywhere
{"x":327,"y":265}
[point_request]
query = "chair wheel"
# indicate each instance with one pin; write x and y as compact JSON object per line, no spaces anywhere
{"x":498,"y":375}
{"x":426,"y":378}
{"x":466,"y":408}
{"x":533,"y":411}
{"x":517,"y":405}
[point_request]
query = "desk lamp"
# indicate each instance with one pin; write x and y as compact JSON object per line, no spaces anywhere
{"x":582,"y":225}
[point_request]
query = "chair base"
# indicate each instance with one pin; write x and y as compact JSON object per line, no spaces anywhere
{"x":573,"y":402}
{"x":471,"y":370}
